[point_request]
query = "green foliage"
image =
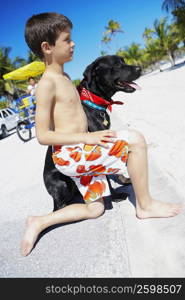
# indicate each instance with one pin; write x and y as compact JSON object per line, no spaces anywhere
{"x":32,"y":57}
{"x":179,"y":17}
{"x":7,"y":65}
{"x":4,"y":104}
{"x":161,"y":41}
{"x":177,"y":8}
{"x":171,"y":5}
{"x":76,"y":82}
{"x":106,"y":39}
{"x":111,"y":30}
{"x":131,"y":54}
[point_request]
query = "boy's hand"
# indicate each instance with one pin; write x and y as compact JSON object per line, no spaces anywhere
{"x":100,"y":137}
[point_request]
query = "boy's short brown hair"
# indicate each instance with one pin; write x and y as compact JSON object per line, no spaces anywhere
{"x":44,"y":27}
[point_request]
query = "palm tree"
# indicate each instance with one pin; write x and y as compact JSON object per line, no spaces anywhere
{"x":170,"y":5}
{"x":19,"y":62}
{"x":153,"y":54}
{"x":5,"y":61}
{"x":147,"y":34}
{"x":168,"y":38}
{"x":131,"y":54}
{"x":179,"y":16}
{"x":5,"y":67}
{"x":163,"y":38}
{"x":106,"y":39}
{"x":177,"y":8}
{"x":32,"y":57}
{"x":111,"y":30}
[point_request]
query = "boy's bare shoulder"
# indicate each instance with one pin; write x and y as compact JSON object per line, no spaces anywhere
{"x":46,"y":81}
{"x":46,"y":89}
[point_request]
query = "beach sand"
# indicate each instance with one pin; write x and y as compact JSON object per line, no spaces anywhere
{"x":158,"y":112}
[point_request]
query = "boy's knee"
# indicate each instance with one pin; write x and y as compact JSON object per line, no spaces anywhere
{"x":96,"y":209}
{"x":136,"y":138}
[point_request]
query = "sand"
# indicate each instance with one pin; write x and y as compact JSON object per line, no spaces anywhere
{"x":158,"y":112}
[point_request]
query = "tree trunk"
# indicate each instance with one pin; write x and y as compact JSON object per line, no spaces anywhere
{"x":172,"y":58}
{"x":158,"y":65}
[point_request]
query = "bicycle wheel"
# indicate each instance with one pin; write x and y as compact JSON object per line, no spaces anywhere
{"x":24,"y":131}
{"x":4,"y":132}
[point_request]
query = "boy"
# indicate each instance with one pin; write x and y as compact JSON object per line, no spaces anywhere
{"x":32,"y":86}
{"x":86,"y":157}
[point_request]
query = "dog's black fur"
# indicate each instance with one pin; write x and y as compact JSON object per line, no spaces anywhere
{"x":104,"y":77}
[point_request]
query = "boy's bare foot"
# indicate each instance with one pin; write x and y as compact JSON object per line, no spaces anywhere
{"x":30,"y":235}
{"x":158,"y":209}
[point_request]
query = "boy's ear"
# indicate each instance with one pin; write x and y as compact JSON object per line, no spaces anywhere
{"x":46,"y":48}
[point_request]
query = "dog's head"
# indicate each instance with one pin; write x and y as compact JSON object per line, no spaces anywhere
{"x":110,"y":74}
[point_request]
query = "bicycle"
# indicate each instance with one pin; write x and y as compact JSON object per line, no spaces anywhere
{"x":26,"y":110}
{"x":26,"y":118}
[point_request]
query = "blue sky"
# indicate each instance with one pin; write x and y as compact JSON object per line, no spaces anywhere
{"x":89,"y":20}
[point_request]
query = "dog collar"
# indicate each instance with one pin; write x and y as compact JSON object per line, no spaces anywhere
{"x":95,"y":101}
{"x":93,"y":105}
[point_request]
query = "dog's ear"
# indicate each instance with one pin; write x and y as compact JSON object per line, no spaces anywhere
{"x":90,"y":71}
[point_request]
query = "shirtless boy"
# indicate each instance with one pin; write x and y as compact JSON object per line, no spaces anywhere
{"x":86,"y":157}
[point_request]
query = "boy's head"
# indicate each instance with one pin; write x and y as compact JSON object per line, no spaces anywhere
{"x":31,"y":81}
{"x":44,"y":29}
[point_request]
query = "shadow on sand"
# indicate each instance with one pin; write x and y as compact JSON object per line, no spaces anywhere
{"x":176,"y":66}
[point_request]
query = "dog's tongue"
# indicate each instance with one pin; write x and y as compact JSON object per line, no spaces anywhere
{"x":134,"y":85}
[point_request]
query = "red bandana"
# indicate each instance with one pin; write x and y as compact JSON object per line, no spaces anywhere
{"x":87,"y":95}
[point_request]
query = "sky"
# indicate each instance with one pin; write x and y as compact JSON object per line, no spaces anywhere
{"x":89,"y":19}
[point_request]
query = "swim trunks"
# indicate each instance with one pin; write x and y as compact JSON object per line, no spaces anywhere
{"x":87,"y":164}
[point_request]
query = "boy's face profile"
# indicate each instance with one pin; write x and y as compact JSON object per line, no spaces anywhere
{"x":31,"y":81}
{"x":63,"y":49}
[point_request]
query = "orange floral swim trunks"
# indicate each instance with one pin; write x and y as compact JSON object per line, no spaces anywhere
{"x":87,"y":165}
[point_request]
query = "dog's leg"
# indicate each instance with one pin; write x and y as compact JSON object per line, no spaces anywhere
{"x":61,"y":188}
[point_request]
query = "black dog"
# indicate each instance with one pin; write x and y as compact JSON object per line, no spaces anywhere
{"x":104,"y":77}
